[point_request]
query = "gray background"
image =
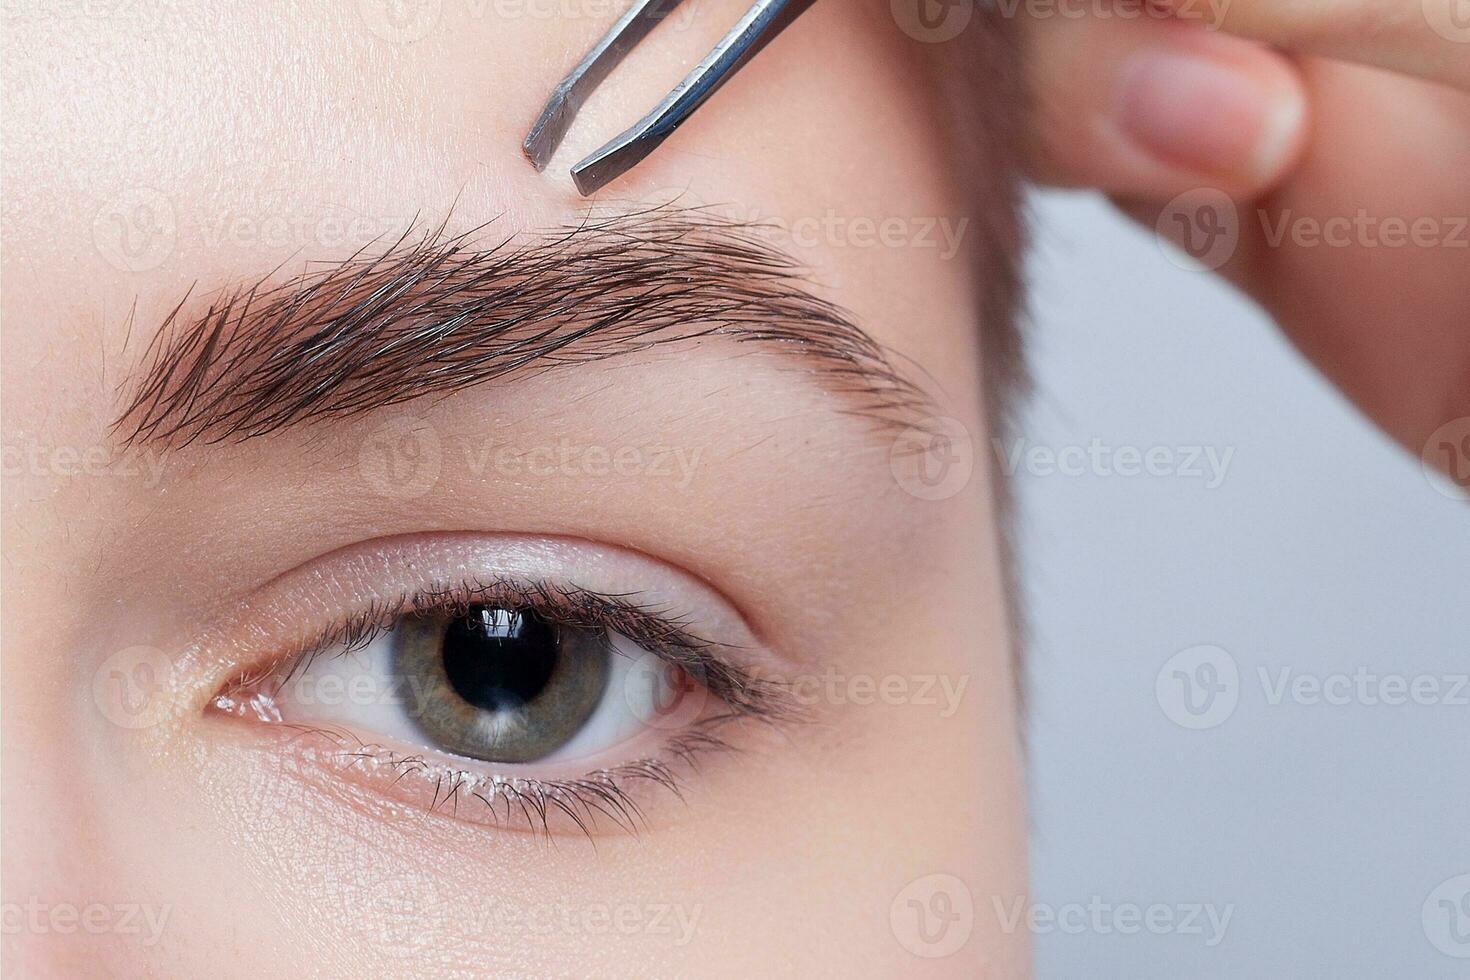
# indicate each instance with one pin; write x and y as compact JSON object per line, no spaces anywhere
{"x":1323,"y":828}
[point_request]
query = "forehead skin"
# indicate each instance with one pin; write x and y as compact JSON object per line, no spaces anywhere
{"x":152,"y":148}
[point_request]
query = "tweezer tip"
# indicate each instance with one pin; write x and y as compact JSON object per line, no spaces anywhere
{"x":617,"y":157}
{"x":602,"y":168}
{"x":547,"y":132}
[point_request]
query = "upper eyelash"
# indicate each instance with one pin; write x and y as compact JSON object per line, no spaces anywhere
{"x":658,"y":631}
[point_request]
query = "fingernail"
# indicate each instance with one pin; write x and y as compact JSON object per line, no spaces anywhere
{"x":1207,"y":115}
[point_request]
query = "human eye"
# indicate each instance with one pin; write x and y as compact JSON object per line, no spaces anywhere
{"x":546,"y":685}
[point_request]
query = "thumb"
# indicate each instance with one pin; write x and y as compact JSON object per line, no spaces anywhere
{"x":1144,"y":107}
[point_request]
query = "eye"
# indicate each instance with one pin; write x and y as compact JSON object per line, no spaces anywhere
{"x":502,"y":699}
{"x":494,"y":683}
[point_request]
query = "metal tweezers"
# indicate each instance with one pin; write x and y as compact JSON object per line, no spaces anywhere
{"x":763,"y":22}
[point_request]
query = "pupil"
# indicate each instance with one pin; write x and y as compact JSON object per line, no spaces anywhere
{"x":499,"y":659}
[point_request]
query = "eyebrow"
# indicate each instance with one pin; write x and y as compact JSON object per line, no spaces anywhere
{"x":433,"y":314}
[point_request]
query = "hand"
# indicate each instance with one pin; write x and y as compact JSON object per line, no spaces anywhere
{"x":1343,"y":163}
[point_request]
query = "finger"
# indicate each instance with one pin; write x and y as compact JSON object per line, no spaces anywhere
{"x":1428,"y":39}
{"x":1150,"y":108}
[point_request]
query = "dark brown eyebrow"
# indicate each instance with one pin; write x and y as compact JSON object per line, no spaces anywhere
{"x":432,"y":314}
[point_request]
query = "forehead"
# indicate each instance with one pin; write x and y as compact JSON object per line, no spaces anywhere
{"x":164,"y":147}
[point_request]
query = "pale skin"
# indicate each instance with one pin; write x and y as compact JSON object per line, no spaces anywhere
{"x":781,"y":520}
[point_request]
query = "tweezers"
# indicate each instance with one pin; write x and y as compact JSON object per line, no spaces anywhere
{"x":762,"y":23}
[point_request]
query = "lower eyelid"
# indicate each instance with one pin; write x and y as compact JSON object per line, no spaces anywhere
{"x":557,"y":801}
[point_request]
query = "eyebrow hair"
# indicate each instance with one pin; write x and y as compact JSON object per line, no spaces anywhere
{"x":433,"y":314}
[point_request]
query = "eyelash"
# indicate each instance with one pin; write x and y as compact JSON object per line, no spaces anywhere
{"x":605,"y":791}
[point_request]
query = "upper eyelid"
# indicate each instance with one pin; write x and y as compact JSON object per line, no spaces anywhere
{"x":319,"y":601}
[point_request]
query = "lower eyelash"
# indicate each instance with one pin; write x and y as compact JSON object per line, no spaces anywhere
{"x":537,"y":804}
